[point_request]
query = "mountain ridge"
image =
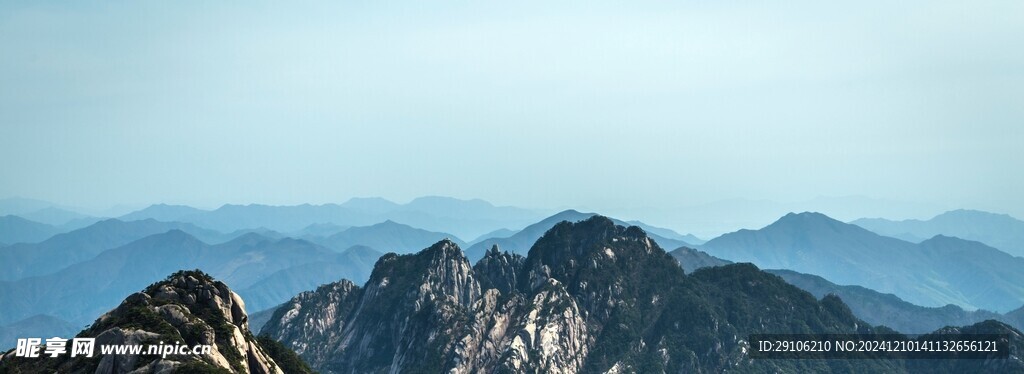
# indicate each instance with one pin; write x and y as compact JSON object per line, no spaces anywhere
{"x":589,"y":296}
{"x":1000,"y":231}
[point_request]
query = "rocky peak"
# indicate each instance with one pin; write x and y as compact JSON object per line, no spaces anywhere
{"x":449,"y":275}
{"x":200,"y":293}
{"x":188,"y":308}
{"x":408,"y":311}
{"x":587,"y":248}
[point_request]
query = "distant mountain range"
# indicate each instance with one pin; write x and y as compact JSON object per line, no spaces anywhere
{"x":267,"y":272}
{"x":939,"y":271}
{"x":997,"y":230}
{"x":872,"y":306}
{"x":889,"y":310}
{"x":25,"y":260}
{"x":38,"y":325}
{"x":14,"y":229}
{"x":468,"y":218}
{"x":46,"y":213}
{"x":692,"y":259}
{"x":387,"y":236}
{"x":588,"y":295}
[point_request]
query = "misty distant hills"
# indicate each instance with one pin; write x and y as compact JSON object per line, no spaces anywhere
{"x":30,"y":259}
{"x":889,"y":310}
{"x":273,"y":288}
{"x":997,"y":230}
{"x":19,"y":205}
{"x":937,"y":272}
{"x":162,"y":212}
{"x":39,"y":325}
{"x":319,"y":230}
{"x":387,"y":236}
{"x":14,"y":229}
{"x":667,"y":233}
{"x":522,"y":240}
{"x":60,"y":217}
{"x":467,"y":218}
{"x":45,"y":212}
{"x":499,"y":233}
{"x":692,"y":259}
{"x":1015,"y":317}
{"x":874,"y":307}
{"x":266,"y":272}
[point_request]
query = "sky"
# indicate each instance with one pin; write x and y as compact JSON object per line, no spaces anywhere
{"x":633,"y":107}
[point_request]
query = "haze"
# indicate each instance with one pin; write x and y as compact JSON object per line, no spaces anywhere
{"x":636,"y":108}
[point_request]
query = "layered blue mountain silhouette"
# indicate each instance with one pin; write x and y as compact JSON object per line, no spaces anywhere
{"x":53,"y":279}
{"x":465,"y":218}
{"x":996,"y":230}
{"x":266,"y":272}
{"x":939,"y":271}
{"x":14,"y":229}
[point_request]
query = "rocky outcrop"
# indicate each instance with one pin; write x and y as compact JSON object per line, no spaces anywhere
{"x":313,"y":321}
{"x":188,"y":308}
{"x":499,"y":270}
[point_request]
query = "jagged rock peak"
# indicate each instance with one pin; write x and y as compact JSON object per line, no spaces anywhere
{"x":494,"y":251}
{"x":499,"y":270}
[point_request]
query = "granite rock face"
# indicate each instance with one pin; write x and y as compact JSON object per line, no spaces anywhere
{"x":188,"y":308}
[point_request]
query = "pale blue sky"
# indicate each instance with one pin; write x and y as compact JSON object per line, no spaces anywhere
{"x":605,"y":105}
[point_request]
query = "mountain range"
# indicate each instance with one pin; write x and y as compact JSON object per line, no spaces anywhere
{"x":578,"y":301}
{"x":889,"y":310}
{"x":595,"y":295}
{"x":936,"y":272}
{"x":266,"y":271}
{"x":469,"y":218}
{"x":14,"y":229}
{"x":387,"y":236}
{"x":872,"y":306}
{"x":588,"y":297}
{"x":32,"y":259}
{"x":996,"y":230}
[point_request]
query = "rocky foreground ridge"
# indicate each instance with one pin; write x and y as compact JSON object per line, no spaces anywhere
{"x":188,"y":307}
